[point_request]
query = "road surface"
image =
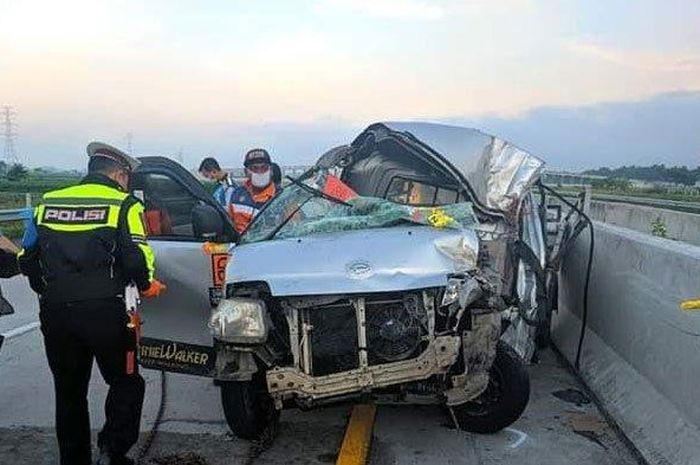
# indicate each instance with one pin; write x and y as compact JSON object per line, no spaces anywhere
{"x":560,"y":425}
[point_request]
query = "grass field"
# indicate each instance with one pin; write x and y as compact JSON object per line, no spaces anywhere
{"x":13,"y":194}
{"x":13,"y":230}
{"x":677,"y":196}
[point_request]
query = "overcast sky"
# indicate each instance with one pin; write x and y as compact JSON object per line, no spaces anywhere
{"x":218,"y":77}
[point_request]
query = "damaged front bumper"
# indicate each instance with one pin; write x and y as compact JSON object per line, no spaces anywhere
{"x":440,"y":355}
{"x":477,"y":347}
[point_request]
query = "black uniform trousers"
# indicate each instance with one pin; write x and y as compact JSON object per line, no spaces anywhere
{"x":75,"y":333}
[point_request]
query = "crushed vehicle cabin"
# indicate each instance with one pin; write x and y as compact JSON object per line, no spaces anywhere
{"x":411,"y":266}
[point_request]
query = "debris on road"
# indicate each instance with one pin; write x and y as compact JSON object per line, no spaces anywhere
{"x":187,"y":458}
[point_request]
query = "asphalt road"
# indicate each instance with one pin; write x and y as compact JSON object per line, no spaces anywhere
{"x":16,"y":290}
{"x":560,"y":426}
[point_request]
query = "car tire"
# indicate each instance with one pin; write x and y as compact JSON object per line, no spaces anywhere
{"x":503,"y":401}
{"x":248,"y":408}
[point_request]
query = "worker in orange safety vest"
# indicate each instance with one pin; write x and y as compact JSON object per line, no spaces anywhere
{"x":259,"y":188}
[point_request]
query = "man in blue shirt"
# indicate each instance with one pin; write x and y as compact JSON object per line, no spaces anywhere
{"x":210,"y":169}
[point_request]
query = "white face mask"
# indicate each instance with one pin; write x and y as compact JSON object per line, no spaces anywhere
{"x":260,"y":179}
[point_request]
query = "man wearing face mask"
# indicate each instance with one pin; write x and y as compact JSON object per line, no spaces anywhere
{"x":256,"y":191}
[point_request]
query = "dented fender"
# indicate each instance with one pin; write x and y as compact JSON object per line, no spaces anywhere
{"x":479,"y":352}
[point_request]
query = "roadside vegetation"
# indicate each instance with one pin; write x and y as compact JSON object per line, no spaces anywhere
{"x":17,"y":180}
{"x":653,"y":182}
{"x":619,"y":186}
{"x":19,"y":184}
{"x":680,"y":175}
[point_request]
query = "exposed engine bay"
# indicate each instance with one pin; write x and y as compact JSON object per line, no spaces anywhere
{"x":429,"y":344}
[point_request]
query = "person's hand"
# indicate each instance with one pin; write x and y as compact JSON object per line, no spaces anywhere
{"x":154,"y":290}
{"x":8,"y":245}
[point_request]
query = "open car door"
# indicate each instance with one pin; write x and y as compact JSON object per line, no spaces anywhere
{"x":180,"y":216}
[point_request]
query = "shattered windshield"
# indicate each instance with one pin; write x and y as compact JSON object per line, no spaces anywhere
{"x":314,"y":208}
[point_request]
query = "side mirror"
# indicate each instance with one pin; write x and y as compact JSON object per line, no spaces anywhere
{"x":207,"y":222}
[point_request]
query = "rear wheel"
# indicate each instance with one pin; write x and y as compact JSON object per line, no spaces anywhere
{"x":248,"y":408}
{"x":504,"y":399}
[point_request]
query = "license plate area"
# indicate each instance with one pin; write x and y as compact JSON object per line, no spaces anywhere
{"x":178,"y":357}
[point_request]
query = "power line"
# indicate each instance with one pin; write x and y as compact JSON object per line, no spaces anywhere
{"x":8,"y":115}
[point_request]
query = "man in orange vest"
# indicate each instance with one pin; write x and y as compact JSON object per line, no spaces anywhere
{"x":258,"y":189}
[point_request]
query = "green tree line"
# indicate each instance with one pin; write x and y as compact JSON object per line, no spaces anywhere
{"x":659,"y":173}
{"x":18,"y":178}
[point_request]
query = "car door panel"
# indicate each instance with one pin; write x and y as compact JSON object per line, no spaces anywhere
{"x":182,"y":311}
{"x":169,"y":193}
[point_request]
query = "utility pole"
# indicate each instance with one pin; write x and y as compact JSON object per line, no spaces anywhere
{"x":8,"y":114}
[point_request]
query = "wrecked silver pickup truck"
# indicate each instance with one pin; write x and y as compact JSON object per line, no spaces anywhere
{"x":410,"y":266}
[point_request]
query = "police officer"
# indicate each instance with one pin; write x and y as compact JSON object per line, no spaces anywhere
{"x":258,"y":189}
{"x":86,"y":243}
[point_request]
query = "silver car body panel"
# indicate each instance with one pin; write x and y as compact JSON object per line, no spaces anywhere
{"x":498,"y":172}
{"x":520,"y":335}
{"x":375,"y":260}
{"x":181,"y":313}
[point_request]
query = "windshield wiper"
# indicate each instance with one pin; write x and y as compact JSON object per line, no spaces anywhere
{"x":282,"y":224}
{"x":314,"y":193}
{"x":317,"y":192}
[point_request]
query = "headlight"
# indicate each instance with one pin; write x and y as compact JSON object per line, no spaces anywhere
{"x":463,"y":290}
{"x":451,"y":294}
{"x":239,"y":320}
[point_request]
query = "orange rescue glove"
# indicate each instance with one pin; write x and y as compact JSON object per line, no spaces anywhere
{"x":154,"y":290}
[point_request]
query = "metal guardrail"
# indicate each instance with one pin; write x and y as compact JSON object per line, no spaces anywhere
{"x":15,"y":214}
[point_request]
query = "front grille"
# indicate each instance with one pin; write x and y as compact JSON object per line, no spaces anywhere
{"x":394,"y":323}
{"x":334,"y":345}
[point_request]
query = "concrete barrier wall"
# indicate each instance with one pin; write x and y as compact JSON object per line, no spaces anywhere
{"x":679,"y":226}
{"x":641,"y":355}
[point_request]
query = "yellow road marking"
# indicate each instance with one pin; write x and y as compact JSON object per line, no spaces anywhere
{"x":358,"y":436}
{"x":690,"y":304}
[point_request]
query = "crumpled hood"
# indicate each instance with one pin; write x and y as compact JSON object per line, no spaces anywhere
{"x":377,"y":260}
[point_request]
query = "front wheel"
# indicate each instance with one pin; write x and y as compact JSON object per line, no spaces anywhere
{"x":504,"y":399}
{"x":248,"y":408}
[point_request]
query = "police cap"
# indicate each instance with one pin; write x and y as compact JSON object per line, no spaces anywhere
{"x":100,"y":149}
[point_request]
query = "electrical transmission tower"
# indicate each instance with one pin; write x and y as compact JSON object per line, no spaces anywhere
{"x":9,"y":133}
{"x":129,"y":143}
